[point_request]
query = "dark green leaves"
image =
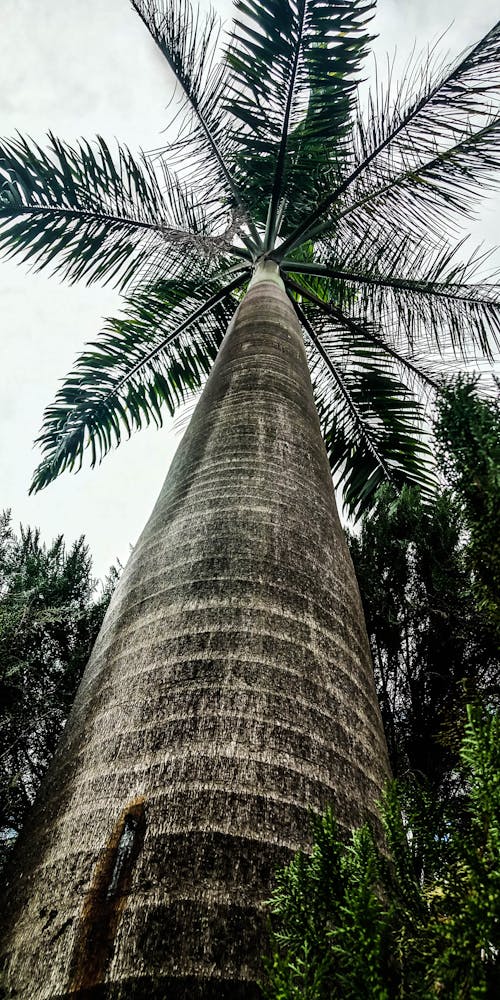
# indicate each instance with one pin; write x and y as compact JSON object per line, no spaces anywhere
{"x":329,"y":928}
{"x":426,"y":296}
{"x":372,"y":423}
{"x":432,"y":647}
{"x":294,"y":69}
{"x":188,"y":42}
{"x":389,"y":322}
{"x":141,"y":363}
{"x":296,"y":60}
{"x":468,"y":433}
{"x":361,"y":919}
{"x":439,"y":184}
{"x":204,"y":145}
{"x":49,"y":620}
{"x":374,"y":432}
{"x":421,"y":157}
{"x":92,"y":216}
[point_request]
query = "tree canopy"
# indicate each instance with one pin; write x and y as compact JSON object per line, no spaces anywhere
{"x":277,"y":159}
{"x":434,"y":649}
{"x":468,"y":431}
{"x":49,"y":620}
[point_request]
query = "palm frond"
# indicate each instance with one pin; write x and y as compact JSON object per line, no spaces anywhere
{"x":94,"y":217}
{"x":294,"y":67}
{"x":438,"y":107}
{"x":143,"y":361}
{"x":423,"y":366}
{"x":430,"y":194}
{"x":372,"y":424}
{"x":189,"y":44}
{"x":426,"y":296}
{"x":416,"y":369}
{"x":450,"y":125}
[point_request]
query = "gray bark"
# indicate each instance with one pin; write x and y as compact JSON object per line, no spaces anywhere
{"x":229,"y":693}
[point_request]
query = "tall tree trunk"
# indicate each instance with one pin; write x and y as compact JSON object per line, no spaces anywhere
{"x":229,"y":693}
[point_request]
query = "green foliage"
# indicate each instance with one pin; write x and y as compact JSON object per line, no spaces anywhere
{"x":280,"y":58}
{"x":433,"y":648}
{"x":82,"y":211}
{"x":419,"y":144}
{"x":321,"y":903}
{"x":366,"y":416}
{"x":49,"y":620}
{"x":417,"y":917}
{"x":468,"y":430}
{"x":274,"y":157}
{"x":172,"y":348}
{"x":434,"y":304}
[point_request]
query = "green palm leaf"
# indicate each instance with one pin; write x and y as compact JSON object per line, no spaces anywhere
{"x":144,"y":361}
{"x":437,"y":189}
{"x":93,"y":217}
{"x":420,"y":370}
{"x":426,"y":296}
{"x":294,"y":68}
{"x":427,"y":145}
{"x":372,"y":423}
{"x":188,"y":42}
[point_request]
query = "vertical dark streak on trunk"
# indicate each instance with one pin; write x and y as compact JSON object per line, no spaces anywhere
{"x":104,"y":903}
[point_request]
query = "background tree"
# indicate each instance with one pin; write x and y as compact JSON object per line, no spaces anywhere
{"x":49,"y":620}
{"x":433,"y":648}
{"x":468,"y":430}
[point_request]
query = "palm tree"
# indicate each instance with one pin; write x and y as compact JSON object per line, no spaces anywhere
{"x":230,"y":690}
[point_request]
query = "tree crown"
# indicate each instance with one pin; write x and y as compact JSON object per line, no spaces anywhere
{"x":276,"y":158}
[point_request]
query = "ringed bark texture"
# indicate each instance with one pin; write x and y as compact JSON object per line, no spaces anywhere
{"x":229,"y":693}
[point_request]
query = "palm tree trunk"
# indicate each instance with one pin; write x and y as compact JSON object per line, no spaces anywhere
{"x":229,"y":693}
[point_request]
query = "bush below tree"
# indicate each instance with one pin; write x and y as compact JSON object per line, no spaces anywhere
{"x":419,"y":916}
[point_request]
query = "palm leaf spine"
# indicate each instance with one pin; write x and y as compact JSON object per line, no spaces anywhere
{"x":306,"y":226}
{"x":330,"y":309}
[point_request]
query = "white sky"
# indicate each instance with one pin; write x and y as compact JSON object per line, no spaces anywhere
{"x":81,"y":67}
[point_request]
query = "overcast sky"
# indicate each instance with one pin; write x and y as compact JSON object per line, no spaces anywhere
{"x":81,"y":67}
